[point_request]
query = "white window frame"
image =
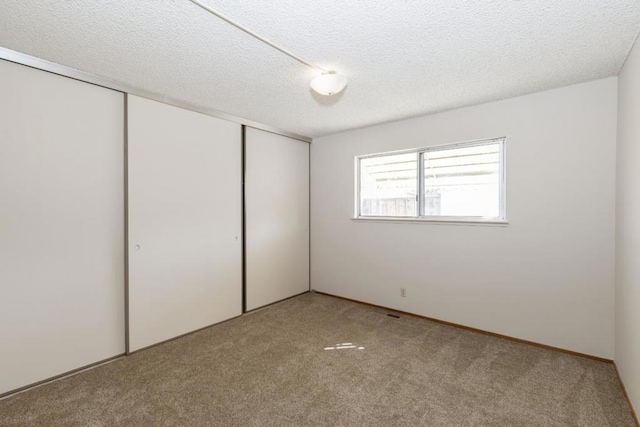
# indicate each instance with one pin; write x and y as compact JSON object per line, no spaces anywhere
{"x":499,"y":220}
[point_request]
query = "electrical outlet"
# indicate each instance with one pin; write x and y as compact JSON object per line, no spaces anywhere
{"x":403,"y":292}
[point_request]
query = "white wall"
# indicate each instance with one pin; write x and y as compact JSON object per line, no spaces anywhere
{"x":627,"y":338}
{"x":547,"y":277}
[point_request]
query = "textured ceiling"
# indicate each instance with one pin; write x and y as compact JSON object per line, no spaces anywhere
{"x":402,"y":58}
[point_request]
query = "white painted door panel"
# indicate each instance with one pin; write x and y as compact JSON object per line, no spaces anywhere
{"x":185,"y":221}
{"x":61,"y":225}
{"x":277,"y":217}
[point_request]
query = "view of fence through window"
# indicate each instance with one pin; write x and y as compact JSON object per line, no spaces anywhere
{"x":461,"y":180}
{"x":389,"y":185}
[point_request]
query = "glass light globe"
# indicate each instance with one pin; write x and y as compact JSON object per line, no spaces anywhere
{"x":329,"y":83}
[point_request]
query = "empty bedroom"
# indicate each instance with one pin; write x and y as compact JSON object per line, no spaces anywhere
{"x":361,"y":213}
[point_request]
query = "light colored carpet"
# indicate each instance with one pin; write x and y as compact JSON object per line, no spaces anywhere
{"x":274,"y":367}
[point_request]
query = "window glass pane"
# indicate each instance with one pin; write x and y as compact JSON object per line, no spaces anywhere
{"x":388,"y":185}
{"x":463,"y":181}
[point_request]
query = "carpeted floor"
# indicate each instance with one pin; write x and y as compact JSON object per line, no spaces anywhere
{"x":281,"y":366}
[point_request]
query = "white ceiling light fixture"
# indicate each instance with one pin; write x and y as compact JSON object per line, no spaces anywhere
{"x":327,"y":84}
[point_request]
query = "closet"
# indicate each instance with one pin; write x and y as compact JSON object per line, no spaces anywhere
{"x":61,"y":225}
{"x":277,"y":217}
{"x":126,"y":222}
{"x":185,"y":221}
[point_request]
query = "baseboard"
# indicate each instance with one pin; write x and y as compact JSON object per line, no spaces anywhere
{"x":634,"y":414}
{"x":130,"y":353}
{"x":213,"y":324}
{"x":262,"y":307}
{"x":506,"y":337}
{"x":480,"y":331}
{"x":60,"y":376}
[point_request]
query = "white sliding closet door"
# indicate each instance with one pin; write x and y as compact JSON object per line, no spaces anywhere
{"x":61,"y":225}
{"x":185,"y":221}
{"x":277,"y":217}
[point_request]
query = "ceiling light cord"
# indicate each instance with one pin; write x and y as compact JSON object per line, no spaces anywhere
{"x":251,"y":33}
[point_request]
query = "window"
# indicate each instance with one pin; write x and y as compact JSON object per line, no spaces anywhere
{"x":458,"y":182}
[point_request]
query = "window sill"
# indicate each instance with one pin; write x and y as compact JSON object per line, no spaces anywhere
{"x":440,"y":221}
